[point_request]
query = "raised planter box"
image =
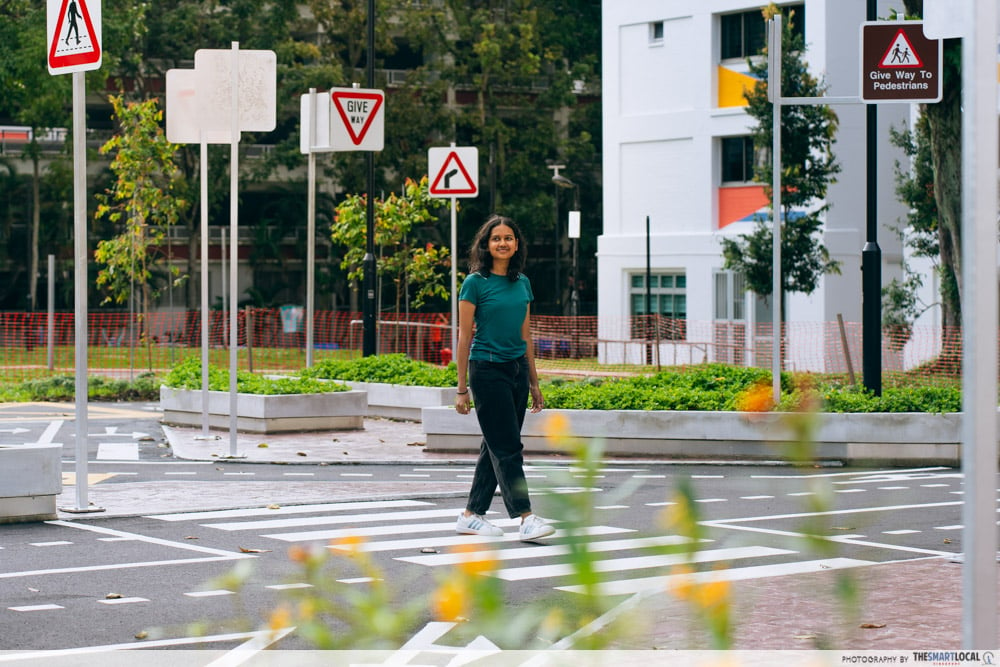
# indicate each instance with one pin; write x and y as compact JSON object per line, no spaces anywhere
{"x":340,"y":410}
{"x":399,"y":401}
{"x":30,"y":480}
{"x":904,"y":438}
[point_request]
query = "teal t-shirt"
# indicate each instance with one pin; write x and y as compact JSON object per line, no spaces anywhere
{"x":501,"y":306}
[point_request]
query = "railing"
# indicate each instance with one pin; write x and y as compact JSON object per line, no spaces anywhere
{"x":120,"y":344}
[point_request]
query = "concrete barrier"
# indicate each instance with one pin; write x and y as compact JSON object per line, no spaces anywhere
{"x":401,"y":401}
{"x":876,"y":438}
{"x":30,"y":480}
{"x":257,"y":413}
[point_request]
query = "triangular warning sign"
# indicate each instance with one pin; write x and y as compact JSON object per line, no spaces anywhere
{"x":357,"y":110}
{"x":901,"y":53}
{"x":457,"y":180}
{"x":75,"y":42}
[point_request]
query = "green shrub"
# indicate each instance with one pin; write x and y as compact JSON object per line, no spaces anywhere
{"x":387,"y":369}
{"x":187,"y":375}
{"x":59,"y":388}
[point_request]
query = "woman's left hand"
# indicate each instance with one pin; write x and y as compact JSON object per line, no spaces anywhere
{"x":537,"y":402}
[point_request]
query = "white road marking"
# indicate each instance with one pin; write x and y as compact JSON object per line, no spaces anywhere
{"x":292,"y":509}
{"x":372,"y":531}
{"x":756,"y":497}
{"x":437,"y":560}
{"x":327,"y":520}
{"x":463,"y":540}
{"x":60,"y":543}
{"x":123,"y":601}
{"x":37,"y":607}
{"x":299,"y":474}
{"x":358,"y":580}
{"x":733,"y":574}
{"x":639,"y":563}
{"x":288,"y":587}
{"x":180,"y":473}
{"x":356,"y":474}
{"x":219,"y":592}
{"x":50,"y":432}
{"x":711,"y":500}
{"x":118,"y":451}
{"x":905,"y":531}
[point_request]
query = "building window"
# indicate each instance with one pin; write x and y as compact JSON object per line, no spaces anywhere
{"x":656,"y":33}
{"x":667,"y":300}
{"x":745,"y":34}
{"x":737,"y":159}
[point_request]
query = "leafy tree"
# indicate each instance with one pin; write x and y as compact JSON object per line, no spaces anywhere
{"x":407,"y":265}
{"x":142,"y":202}
{"x":939,"y":133}
{"x":808,"y":168}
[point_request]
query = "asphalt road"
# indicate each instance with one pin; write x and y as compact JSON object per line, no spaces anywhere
{"x":213,"y":579}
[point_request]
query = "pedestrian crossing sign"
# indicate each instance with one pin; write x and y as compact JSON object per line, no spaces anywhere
{"x":74,"y":35}
{"x":901,"y":53}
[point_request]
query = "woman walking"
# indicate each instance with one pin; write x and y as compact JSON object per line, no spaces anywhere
{"x":499,"y":362}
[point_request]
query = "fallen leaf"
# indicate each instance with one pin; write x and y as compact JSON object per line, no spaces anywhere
{"x":804,"y":637}
{"x":415,"y":444}
{"x":345,"y":453}
{"x":947,"y":540}
{"x":336,"y":439}
{"x":872,"y":626}
{"x":190,"y":537}
{"x":428,"y":550}
{"x":147,"y":438}
{"x":254,"y":551}
{"x":113,"y":596}
{"x":301,"y":454}
{"x":262,"y":445}
{"x":141,"y":635}
{"x":842,"y":528}
{"x":381,"y":440}
{"x":274,"y":506}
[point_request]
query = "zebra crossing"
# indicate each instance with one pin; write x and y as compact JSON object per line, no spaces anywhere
{"x":422,"y":533}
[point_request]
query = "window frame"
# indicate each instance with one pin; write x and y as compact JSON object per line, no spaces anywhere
{"x":673,"y":325}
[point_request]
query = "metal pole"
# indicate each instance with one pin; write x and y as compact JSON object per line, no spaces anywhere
{"x":454,"y":276}
{"x":649,"y":296}
{"x":774,"y":92}
{"x":203,"y":159}
{"x":370,"y":320}
{"x":51,"y":341}
{"x":979,"y":327}
{"x":871,"y":256}
{"x":80,"y":287}
{"x":311,"y":231}
{"x":234,"y":224}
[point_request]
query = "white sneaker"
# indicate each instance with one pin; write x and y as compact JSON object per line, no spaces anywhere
{"x":534,"y":528}
{"x":474,"y":524}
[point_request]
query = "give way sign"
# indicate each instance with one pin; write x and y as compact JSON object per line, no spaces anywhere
{"x":357,"y":119}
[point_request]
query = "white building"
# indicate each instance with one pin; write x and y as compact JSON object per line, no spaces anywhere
{"x":675,"y":142}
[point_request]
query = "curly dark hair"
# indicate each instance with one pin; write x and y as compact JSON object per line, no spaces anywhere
{"x":480,"y":259}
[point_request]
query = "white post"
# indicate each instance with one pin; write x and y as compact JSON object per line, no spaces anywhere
{"x":205,"y":324}
{"x":234,"y":223}
{"x":454,"y":278}
{"x":979,"y":327}
{"x":51,"y":338}
{"x":311,"y":230}
{"x":80,"y":286}
{"x":774,"y":93}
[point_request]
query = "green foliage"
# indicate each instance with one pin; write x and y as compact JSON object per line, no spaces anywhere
{"x":385,"y":368}
{"x":808,"y":168}
{"x":145,"y":387}
{"x":396,"y":218}
{"x":187,"y":375}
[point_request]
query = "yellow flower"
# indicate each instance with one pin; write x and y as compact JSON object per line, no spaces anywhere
{"x":449,"y":601}
{"x":351,"y":543}
{"x":475,"y":562}
{"x":555,"y":427}
{"x":758,"y":398}
{"x":281,"y":618}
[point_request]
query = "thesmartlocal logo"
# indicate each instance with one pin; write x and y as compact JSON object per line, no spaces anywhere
{"x":955,"y":657}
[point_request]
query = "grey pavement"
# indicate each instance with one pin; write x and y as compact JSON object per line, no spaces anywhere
{"x":905,"y":605}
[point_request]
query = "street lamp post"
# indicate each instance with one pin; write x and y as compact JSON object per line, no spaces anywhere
{"x":573,"y":232}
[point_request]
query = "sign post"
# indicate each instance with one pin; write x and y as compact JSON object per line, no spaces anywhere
{"x":454,"y":173}
{"x":74,"y":46}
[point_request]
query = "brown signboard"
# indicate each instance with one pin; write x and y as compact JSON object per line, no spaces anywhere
{"x":899,"y":64}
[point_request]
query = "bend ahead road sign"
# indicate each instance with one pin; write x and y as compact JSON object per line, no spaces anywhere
{"x":453,"y":171}
{"x":74,"y":35}
{"x":898,"y":63}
